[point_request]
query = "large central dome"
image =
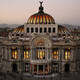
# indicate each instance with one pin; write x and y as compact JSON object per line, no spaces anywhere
{"x":41,"y":17}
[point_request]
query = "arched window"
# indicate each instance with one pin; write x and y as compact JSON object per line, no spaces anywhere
{"x":49,"y":30}
{"x":36,"y":29}
{"x":67,"y":53}
{"x":14,"y":53}
{"x":27,"y":30}
{"x":53,"y":30}
{"x":32,"y":30}
{"x":45,"y":30}
{"x":40,"y":54}
{"x":40,"y":30}
{"x":55,"y":53}
{"x":26,"y":53}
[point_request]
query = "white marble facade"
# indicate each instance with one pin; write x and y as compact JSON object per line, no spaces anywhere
{"x":43,"y":49}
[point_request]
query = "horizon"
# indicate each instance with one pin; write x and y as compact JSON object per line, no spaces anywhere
{"x":18,"y":11}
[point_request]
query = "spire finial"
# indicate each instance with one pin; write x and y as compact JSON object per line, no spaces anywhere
{"x":41,"y":7}
{"x":41,"y":3}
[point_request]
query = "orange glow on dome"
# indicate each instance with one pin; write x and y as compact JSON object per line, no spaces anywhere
{"x":41,"y":19}
{"x":19,"y":29}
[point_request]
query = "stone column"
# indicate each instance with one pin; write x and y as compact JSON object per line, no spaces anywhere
{"x":19,"y":53}
{"x":62,"y":54}
{"x":37,"y":69}
{"x":5,"y":52}
{"x":50,"y":53}
{"x":31,"y":54}
{"x":44,"y":68}
{"x":47,"y":55}
{"x":73,"y":55}
{"x":59,"y":54}
{"x":49,"y":70}
{"x":10,"y":53}
{"x":62,"y":58}
{"x":32,"y":68}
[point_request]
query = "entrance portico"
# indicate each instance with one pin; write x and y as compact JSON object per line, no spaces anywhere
{"x":40,"y":69}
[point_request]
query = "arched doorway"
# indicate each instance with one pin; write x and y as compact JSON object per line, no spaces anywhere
{"x":14,"y":67}
{"x":67,"y":67}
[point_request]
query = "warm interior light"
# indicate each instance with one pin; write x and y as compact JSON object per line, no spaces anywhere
{"x":14,"y":53}
{"x":55,"y":54}
{"x":26,"y":54}
{"x":41,"y":54}
{"x":67,"y":53}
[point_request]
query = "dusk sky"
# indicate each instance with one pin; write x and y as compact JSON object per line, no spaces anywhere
{"x":18,"y":11}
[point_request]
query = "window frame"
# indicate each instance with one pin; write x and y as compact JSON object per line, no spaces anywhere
{"x":28,"y":30}
{"x":32,"y":30}
{"x":45,"y":29}
{"x":40,"y":30}
{"x":36,"y":30}
{"x":49,"y":29}
{"x":54,"y":30}
{"x":67,"y":54}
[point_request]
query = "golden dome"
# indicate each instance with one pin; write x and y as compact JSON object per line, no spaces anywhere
{"x":41,"y":17}
{"x":19,"y":29}
{"x":62,"y":29}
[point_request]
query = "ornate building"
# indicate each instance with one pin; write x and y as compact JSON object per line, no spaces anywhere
{"x":40,"y":47}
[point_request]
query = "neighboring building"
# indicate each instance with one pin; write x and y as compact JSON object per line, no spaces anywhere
{"x":40,"y":47}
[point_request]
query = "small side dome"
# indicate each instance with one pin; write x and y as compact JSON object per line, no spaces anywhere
{"x":62,"y":29}
{"x":41,"y":17}
{"x":19,"y":29}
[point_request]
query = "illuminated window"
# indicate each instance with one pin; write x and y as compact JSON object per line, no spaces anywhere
{"x":67,"y":53}
{"x":14,"y":53}
{"x":40,"y":54}
{"x":55,"y":53}
{"x":26,"y":53}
